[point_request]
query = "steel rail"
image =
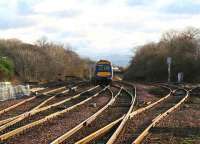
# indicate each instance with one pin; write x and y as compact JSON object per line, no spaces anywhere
{"x":85,"y":122}
{"x":108,"y":127}
{"x":197,"y":87}
{"x":41,"y":121}
{"x":156,"y":120}
{"x":99,"y":132}
{"x":15,"y":117}
{"x":49,"y":99}
{"x":171,"y":85}
{"x":195,"y":91}
{"x":16,"y":105}
{"x":35,"y":111}
{"x":151,"y":105}
{"x":53,"y":90}
{"x":36,"y":89}
{"x":27,"y":100}
{"x":125,"y":119}
{"x":37,"y":107}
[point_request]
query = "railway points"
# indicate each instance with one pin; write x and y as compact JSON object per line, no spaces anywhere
{"x":92,"y":114}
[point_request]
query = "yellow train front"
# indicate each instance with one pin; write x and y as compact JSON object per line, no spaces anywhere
{"x":103,"y":72}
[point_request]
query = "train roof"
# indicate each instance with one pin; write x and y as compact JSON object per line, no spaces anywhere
{"x":104,"y":62}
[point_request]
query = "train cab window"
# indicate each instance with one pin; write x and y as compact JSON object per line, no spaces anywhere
{"x":102,"y":68}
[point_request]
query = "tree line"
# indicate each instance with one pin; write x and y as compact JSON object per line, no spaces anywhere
{"x":42,"y":61}
{"x":149,"y":61}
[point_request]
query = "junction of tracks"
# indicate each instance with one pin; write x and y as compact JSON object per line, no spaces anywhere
{"x":119,"y":113}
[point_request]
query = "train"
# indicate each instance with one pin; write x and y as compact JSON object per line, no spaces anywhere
{"x":103,"y":72}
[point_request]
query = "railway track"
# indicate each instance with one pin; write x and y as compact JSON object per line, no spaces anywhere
{"x":42,"y":104}
{"x":7,"y":105}
{"x":106,"y":132}
{"x":147,"y":94}
{"x":47,"y":97}
{"x":36,"y":102}
{"x":122,"y":106}
{"x":15,"y":110}
{"x":39,"y":112}
{"x":138,"y":127}
{"x":58,"y":118}
{"x":182,"y":126}
{"x":55,"y":98}
{"x":11,"y":102}
{"x":105,"y":115}
{"x":117,"y":107}
{"x":43,"y":112}
{"x":87,"y":122}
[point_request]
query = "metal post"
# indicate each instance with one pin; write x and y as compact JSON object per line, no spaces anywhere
{"x":169,"y":61}
{"x":169,"y":72}
{"x":90,"y":71}
{"x":91,"y":67}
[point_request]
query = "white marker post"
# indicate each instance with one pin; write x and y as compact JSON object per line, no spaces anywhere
{"x":169,"y":61}
{"x":180,"y":77}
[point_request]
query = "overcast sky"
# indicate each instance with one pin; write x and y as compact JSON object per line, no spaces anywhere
{"x":97,"y":28}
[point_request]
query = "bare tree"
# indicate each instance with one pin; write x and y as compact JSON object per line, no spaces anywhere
{"x":43,"y":61}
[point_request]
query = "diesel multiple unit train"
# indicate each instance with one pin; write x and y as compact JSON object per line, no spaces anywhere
{"x":103,"y":72}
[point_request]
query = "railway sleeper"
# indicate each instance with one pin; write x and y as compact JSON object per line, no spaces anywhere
{"x":121,"y":105}
{"x":177,"y":131}
{"x":87,"y":93}
{"x":41,"y":95}
{"x":61,"y":107}
{"x":108,"y":131}
{"x":60,"y":95}
{"x":195,"y":94}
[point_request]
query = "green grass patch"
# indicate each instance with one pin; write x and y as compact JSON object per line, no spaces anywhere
{"x":6,"y":68}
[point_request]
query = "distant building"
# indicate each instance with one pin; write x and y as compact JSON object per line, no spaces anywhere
{"x":118,"y":72}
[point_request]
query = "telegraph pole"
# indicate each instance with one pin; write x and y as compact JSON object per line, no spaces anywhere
{"x":169,"y":61}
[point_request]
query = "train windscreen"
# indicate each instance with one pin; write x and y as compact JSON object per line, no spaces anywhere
{"x":103,"y":68}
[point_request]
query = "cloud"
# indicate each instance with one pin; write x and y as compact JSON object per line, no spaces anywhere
{"x":96,"y":28}
{"x":138,"y":2}
{"x":14,"y":23}
{"x":65,"y":13}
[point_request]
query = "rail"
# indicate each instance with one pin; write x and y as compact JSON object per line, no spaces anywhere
{"x":41,"y":121}
{"x":86,"y":122}
{"x":10,"y":121}
{"x":27,"y":100}
{"x":126,"y":117}
{"x":108,"y":127}
{"x":141,"y":137}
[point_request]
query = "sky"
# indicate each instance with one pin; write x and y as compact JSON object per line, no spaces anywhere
{"x":98,"y":29}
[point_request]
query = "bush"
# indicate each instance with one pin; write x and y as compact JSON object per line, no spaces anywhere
{"x":6,"y":68}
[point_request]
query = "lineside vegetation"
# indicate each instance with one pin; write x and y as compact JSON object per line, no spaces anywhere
{"x":149,"y":60}
{"x":42,"y":61}
{"x":6,"y":68}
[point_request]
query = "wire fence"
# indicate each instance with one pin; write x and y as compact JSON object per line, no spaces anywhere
{"x":8,"y":91}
